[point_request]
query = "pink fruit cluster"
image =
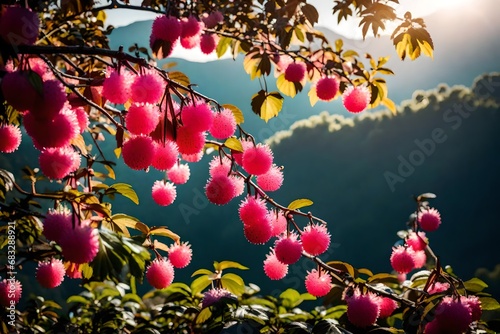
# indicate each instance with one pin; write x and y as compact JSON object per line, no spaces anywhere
{"x":169,"y":31}
{"x":48,"y":117}
{"x":79,"y":243}
{"x":429,"y":219}
{"x":364,"y":309}
{"x":455,"y":315}
{"x":160,"y":272}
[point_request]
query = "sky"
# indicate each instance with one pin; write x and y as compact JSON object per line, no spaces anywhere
{"x":348,"y":29}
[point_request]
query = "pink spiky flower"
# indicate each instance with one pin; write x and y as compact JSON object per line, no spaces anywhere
{"x":10,"y":138}
{"x":190,"y":141}
{"x":387,"y":307}
{"x":224,"y":124}
{"x":190,"y":42}
{"x":315,"y":239}
{"x":80,"y":244}
{"x":57,"y":132}
{"x":213,"y":296}
{"x":160,"y":273}
{"x":438,"y":287}
{"x":259,"y":232}
{"x":190,"y":27}
{"x":272,"y":180}
{"x":208,"y":43}
{"x":258,"y":159}
{"x":56,"y":223}
{"x":10,"y":292}
{"x":180,"y":254}
{"x":211,"y":20}
{"x":218,"y":166}
{"x":165,"y":155}
{"x":295,"y":72}
{"x":363,"y":309}
{"x":198,"y":117}
{"x":273,"y":268}
{"x":147,"y":88}
{"x":50,"y":274}
{"x":356,"y":98}
{"x":179,"y":173}
{"x":252,"y":210}
{"x":57,"y":163}
{"x":453,"y":316}
{"x":327,"y":88}
{"x":417,"y":241}
{"x":220,"y":190}
{"x":138,"y":152}
{"x":288,"y":248}
{"x":474,"y":305}
{"x":167,"y":28}
{"x":420,"y":259}
{"x":82,"y":117}
{"x":196,"y":157}
{"x":429,"y":219}
{"x":278,"y":223}
{"x":15,"y":82}
{"x":141,"y":119}
{"x":116,"y":87}
{"x":318,"y":283}
{"x":163,"y":193}
{"x":51,"y":102}
{"x":239,"y":185}
{"x":403,"y":259}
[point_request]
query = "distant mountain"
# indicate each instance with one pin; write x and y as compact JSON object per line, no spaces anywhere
{"x":466,"y":45}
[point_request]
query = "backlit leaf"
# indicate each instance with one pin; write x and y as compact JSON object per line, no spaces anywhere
{"x":233,"y":144}
{"x":271,"y":106}
{"x":124,"y":190}
{"x":165,"y":232}
{"x":238,"y":114}
{"x":299,"y":203}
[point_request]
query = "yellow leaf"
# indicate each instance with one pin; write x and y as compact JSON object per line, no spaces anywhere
{"x":128,"y":221}
{"x":285,"y":86}
{"x":426,"y":49}
{"x":118,"y":152}
{"x":251,"y":64}
{"x":233,"y":144}
{"x":238,"y":114}
{"x":390,"y":104}
{"x":160,"y":245}
{"x":313,"y":98}
{"x":271,"y":106}
{"x":165,"y":232}
{"x":300,"y":203}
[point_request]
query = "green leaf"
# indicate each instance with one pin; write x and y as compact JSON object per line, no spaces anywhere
{"x":222,"y":46}
{"x":78,"y":299}
{"x":235,"y":286}
{"x":326,"y":326}
{"x":36,"y":81}
{"x":489,"y":304}
{"x":290,"y":297}
{"x":299,"y":203}
{"x":203,"y":316}
{"x":237,"y":113}
{"x":383,"y":278}
{"x":199,"y":284}
{"x":228,"y":264}
{"x":201,"y":272}
{"x":124,"y":190}
{"x":233,"y":144}
{"x":475,"y":285}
